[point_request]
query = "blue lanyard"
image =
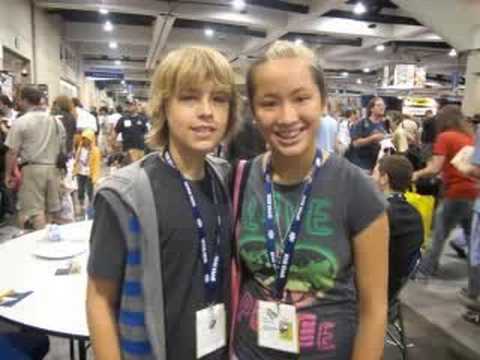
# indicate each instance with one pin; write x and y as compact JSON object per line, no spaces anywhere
{"x":210,"y":268}
{"x":282,"y":268}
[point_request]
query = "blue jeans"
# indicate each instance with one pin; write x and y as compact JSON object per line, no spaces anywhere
{"x":450,"y":213}
{"x":474,"y":258}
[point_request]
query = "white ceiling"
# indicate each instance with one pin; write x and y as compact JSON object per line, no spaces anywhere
{"x":242,"y":36}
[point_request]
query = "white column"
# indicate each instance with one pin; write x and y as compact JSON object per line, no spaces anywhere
{"x":471,"y":99}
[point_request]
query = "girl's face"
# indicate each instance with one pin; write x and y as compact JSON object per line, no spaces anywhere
{"x":197,"y":117}
{"x":287,"y":105}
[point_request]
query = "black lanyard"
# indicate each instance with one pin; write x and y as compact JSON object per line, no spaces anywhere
{"x":211,"y":268}
{"x":282,"y":268}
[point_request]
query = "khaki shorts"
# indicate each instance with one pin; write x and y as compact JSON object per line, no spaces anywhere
{"x":40,"y":191}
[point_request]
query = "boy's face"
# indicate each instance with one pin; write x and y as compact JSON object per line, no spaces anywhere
{"x":197,"y":117}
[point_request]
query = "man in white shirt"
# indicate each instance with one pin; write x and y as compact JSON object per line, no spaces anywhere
{"x":85,"y":120}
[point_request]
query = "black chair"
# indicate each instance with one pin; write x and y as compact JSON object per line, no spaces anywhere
{"x":396,"y":328}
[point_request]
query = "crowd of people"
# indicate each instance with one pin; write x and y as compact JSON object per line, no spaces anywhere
{"x":322,"y":238}
{"x":53,"y":157}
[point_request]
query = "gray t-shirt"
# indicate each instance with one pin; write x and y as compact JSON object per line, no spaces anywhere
{"x":321,"y":282}
{"x":37,"y":137}
{"x":182,"y":272}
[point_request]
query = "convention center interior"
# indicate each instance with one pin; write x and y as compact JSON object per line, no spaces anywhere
{"x":240,"y":179}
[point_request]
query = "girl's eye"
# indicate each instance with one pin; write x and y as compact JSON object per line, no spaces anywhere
{"x":187,"y":97}
{"x":302,"y":98}
{"x":268,"y":103}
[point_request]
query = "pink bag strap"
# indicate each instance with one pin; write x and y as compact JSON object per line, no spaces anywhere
{"x":236,"y":188}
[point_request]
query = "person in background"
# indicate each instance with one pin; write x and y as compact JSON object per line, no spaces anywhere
{"x":113,"y":138}
{"x":37,"y":138}
{"x":327,"y":132}
{"x":313,"y":232}
{"x":470,"y":296}
{"x":63,"y":109}
{"x":6,"y":106}
{"x":459,"y":190}
{"x":393,"y":176}
{"x":345,"y":125}
{"x":367,"y":134}
{"x":430,"y":129}
{"x":133,"y":128}
{"x":406,"y":139}
{"x":85,"y":120}
{"x":88,"y":166}
{"x":150,"y":294}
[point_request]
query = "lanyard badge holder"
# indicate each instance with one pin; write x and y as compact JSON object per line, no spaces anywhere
{"x":277,"y":322}
{"x":210,"y":321}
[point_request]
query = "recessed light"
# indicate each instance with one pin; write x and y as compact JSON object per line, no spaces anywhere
{"x":359,"y":81}
{"x":453,"y":53}
{"x":359,"y":8}
{"x":103,"y":11}
{"x":108,"y":26}
{"x":298,"y":41}
{"x":366,"y":70}
{"x":239,"y":5}
{"x":113,"y":45}
{"x":118,"y":62}
{"x":380,"y":48}
{"x":209,"y":32}
{"x":344,"y":74}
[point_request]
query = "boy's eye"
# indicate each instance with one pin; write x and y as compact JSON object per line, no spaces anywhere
{"x":221,"y":98}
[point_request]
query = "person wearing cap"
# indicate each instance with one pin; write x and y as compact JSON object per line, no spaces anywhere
{"x":133,"y":128}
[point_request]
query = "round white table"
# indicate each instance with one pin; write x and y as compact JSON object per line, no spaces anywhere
{"x":57,"y":304}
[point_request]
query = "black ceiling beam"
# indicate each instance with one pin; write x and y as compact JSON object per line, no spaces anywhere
{"x":95,"y":17}
{"x":421,"y":44}
{"x":107,"y":58}
{"x":280,"y":5}
{"x":374,"y":5}
{"x":350,"y":72}
{"x":373,"y":18}
{"x":222,"y":28}
{"x":324,"y":39}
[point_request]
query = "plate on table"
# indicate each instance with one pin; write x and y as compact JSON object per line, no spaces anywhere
{"x":58,"y":249}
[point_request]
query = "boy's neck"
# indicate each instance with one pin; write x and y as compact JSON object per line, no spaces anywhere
{"x":191,"y":164}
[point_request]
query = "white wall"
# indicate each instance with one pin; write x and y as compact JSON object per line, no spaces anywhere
{"x":16,"y":34}
{"x":15,"y":27}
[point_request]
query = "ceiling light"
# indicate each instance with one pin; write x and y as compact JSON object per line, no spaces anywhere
{"x":452,"y":53}
{"x":103,"y":11}
{"x":239,"y":5}
{"x":118,"y":62}
{"x":366,"y":70}
{"x":380,"y":48}
{"x":344,"y":74}
{"x":209,"y":32}
{"x":123,"y":82}
{"x":108,"y":26}
{"x":359,"y":8}
{"x":359,"y":81}
{"x":298,"y":41}
{"x":112,"y":45}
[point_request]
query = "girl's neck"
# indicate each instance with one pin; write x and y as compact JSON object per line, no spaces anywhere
{"x":190,"y":163}
{"x":294,"y":169}
{"x":376,"y":118}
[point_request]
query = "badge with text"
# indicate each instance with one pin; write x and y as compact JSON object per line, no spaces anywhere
{"x":127,"y":123}
{"x":211,"y":329}
{"x":278,"y":326}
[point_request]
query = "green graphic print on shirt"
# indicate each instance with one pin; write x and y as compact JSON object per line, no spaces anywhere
{"x":315,"y":266}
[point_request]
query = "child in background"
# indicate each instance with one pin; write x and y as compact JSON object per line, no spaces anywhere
{"x":88,"y":162}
